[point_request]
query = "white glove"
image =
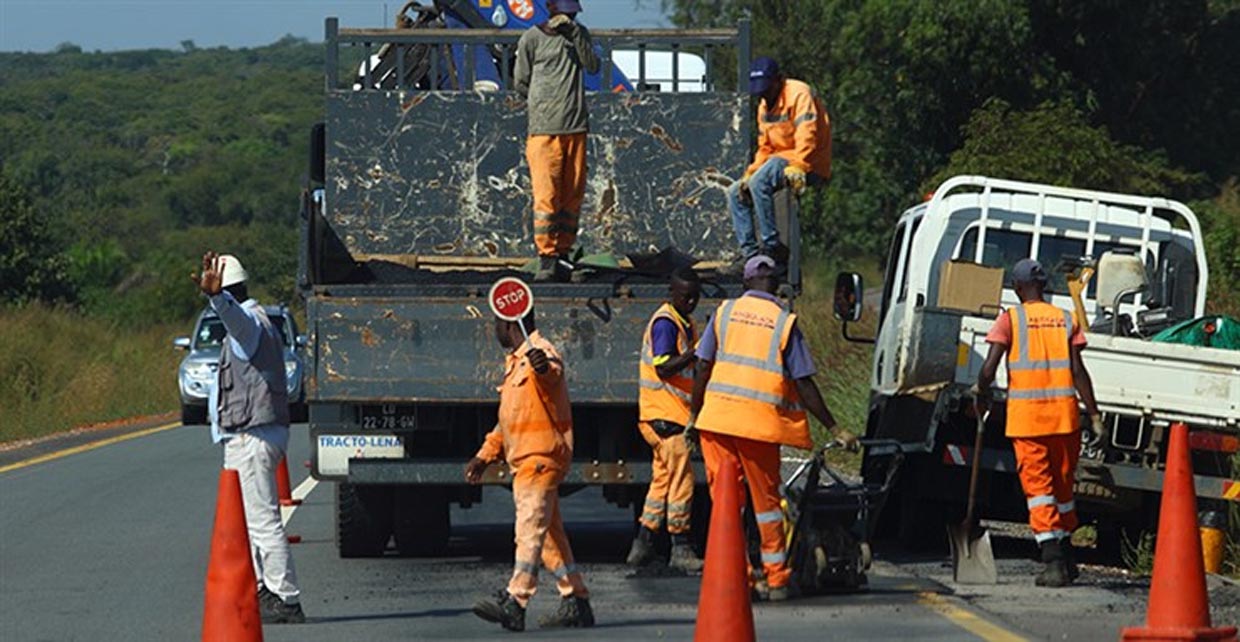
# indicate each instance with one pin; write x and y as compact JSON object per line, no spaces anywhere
{"x":796,"y":179}
{"x":558,"y":22}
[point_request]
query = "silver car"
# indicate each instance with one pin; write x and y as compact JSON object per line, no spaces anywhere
{"x":196,"y":374}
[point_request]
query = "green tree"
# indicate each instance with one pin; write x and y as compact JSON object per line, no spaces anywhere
{"x":31,"y":265}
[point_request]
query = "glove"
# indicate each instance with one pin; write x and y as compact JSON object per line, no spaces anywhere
{"x":558,"y":22}
{"x":848,"y":440}
{"x":691,"y":436}
{"x":795,"y":178}
{"x":1100,"y":433}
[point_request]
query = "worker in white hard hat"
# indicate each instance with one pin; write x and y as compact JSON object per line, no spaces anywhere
{"x":248,"y":407}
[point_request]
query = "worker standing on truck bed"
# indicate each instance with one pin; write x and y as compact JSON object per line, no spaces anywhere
{"x":1045,"y":372}
{"x":753,"y":385}
{"x":666,"y":374}
{"x":248,"y":406}
{"x":794,"y":150}
{"x":548,"y":74}
{"x":535,"y":435}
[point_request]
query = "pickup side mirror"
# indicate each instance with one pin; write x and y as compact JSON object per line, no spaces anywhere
{"x":181,"y":342}
{"x":848,"y":293}
{"x":301,"y":341}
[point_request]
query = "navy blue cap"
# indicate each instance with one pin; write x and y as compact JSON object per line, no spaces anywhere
{"x":1028,"y":271}
{"x":762,"y":74}
{"x":568,"y":6}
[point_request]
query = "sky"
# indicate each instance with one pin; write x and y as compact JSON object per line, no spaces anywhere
{"x":108,"y":25}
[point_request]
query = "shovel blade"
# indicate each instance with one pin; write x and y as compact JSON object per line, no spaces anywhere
{"x":973,"y":559}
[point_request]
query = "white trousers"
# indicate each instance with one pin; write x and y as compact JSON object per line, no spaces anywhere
{"x":254,"y":454}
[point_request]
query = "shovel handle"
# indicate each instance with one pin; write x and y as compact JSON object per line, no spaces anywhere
{"x":977,"y":462}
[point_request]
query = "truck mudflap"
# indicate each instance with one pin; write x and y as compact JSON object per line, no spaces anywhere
{"x":441,"y":472}
{"x":1114,"y":475}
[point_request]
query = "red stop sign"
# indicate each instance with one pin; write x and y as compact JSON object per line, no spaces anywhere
{"x":510,"y":298}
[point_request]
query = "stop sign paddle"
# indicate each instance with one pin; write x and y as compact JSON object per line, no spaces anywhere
{"x":511,"y":299}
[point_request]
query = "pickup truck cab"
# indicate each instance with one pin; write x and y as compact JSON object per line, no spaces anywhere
{"x":927,"y":356}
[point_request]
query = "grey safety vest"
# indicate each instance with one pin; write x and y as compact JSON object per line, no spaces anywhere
{"x":255,"y":392}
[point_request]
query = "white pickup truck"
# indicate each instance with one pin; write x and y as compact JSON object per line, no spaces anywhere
{"x":927,"y":356}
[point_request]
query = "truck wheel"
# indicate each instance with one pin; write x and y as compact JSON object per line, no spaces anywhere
{"x":422,"y":521}
{"x":363,"y":519}
{"x":193,"y":415}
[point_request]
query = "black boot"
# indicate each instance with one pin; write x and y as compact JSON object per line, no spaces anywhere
{"x":1055,"y":571}
{"x":683,"y":557}
{"x":574,"y":613}
{"x":546,"y":269}
{"x":1069,"y":558}
{"x":501,"y":608}
{"x":642,"y":552}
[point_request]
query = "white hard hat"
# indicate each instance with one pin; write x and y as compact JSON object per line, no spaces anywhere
{"x":233,"y":272}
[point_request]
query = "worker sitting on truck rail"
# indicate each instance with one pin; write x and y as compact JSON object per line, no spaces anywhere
{"x":548,"y":73}
{"x":1045,"y":372}
{"x":754,"y":382}
{"x":666,"y":374}
{"x":535,"y":435}
{"x":794,"y":150}
{"x":248,"y":406}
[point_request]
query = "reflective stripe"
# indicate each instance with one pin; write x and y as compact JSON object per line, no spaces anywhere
{"x":769,"y":516}
{"x":681,"y":394}
{"x":774,"y":558}
{"x":653,"y":518}
{"x":678,"y":508}
{"x":526,"y":567}
{"x":737,"y":391}
{"x":1042,"y":393}
{"x":1050,"y":535}
{"x":804,"y":118}
{"x":1056,"y":364}
{"x":655,"y":504}
{"x":1067,"y":507}
{"x":1022,"y":335}
{"x":564,"y":571}
{"x":1022,"y":361}
{"x":772,"y":354}
{"x":551,"y":228}
{"x":750,"y":362}
{"x":780,"y":118}
{"x":1041,"y":500}
{"x":725,"y":314}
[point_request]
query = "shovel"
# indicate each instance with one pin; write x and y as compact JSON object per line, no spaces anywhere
{"x":973,"y":560}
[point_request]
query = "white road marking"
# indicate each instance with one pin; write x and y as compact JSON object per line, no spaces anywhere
{"x":301,"y":492}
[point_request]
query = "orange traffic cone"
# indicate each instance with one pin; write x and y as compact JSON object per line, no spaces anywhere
{"x":231,"y":610}
{"x":282,"y":485}
{"x":1179,"y":607}
{"x":724,"y":613}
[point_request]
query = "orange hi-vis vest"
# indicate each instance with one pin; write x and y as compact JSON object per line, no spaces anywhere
{"x":665,"y":399}
{"x":749,"y":394}
{"x":535,"y":417}
{"x":1041,"y":396}
{"x":797,"y":129}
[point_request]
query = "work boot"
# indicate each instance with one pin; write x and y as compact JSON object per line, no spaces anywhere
{"x":502,"y":608}
{"x":781,"y":593}
{"x":683,"y":557}
{"x":566,"y":270}
{"x":1069,"y":558}
{"x":274,"y":610}
{"x":1055,"y":572}
{"x":642,"y":552}
{"x":779,"y":252}
{"x":546,"y":269}
{"x":574,"y":613}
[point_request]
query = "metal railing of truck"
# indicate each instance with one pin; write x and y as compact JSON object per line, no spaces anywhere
{"x":437,"y":44}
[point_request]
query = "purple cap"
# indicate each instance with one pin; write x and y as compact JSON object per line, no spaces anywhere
{"x":566,"y":6}
{"x":762,"y":73}
{"x":1028,"y":271}
{"x":760,"y":265}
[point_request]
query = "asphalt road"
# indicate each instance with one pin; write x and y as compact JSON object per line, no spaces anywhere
{"x":112,"y":544}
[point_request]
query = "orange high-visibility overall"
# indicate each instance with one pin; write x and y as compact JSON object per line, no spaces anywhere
{"x":558,"y":178}
{"x":797,"y":129}
{"x":1042,"y":416}
{"x":750,"y":408}
{"x":535,"y":435}
{"x":670,"y":495}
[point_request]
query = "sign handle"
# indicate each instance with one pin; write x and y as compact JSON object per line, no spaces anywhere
{"x":521,"y":324}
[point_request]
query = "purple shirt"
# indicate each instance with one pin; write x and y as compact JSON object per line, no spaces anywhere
{"x":663,"y":338}
{"x":798,"y":363}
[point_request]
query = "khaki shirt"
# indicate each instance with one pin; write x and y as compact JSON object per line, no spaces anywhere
{"x":548,"y":75}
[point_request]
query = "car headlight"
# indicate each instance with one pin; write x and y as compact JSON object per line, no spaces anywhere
{"x":199,"y":371}
{"x":290,"y":369}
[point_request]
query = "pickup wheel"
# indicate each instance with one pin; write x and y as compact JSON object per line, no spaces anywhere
{"x":422,"y":521}
{"x":363,"y":519}
{"x":193,"y":415}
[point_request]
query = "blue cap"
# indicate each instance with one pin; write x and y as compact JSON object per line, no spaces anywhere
{"x":760,"y":265}
{"x":762,"y":74}
{"x":1028,"y":271}
{"x":568,"y":6}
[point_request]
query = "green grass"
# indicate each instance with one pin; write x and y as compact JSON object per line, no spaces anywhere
{"x":62,"y":370}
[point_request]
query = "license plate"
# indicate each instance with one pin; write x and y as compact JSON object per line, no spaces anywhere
{"x":387,"y":417}
{"x":334,"y":451}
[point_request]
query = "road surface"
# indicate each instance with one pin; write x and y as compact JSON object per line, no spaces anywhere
{"x":111,"y":543}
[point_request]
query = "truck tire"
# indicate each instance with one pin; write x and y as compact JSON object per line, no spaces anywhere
{"x":422,"y":521}
{"x":363,"y":519}
{"x":193,"y":415}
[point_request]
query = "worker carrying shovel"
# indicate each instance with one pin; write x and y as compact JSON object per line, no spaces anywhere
{"x":1045,"y":373}
{"x":535,"y":435}
{"x":550,"y":61}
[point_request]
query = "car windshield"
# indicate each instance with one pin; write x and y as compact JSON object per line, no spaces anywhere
{"x":211,"y":332}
